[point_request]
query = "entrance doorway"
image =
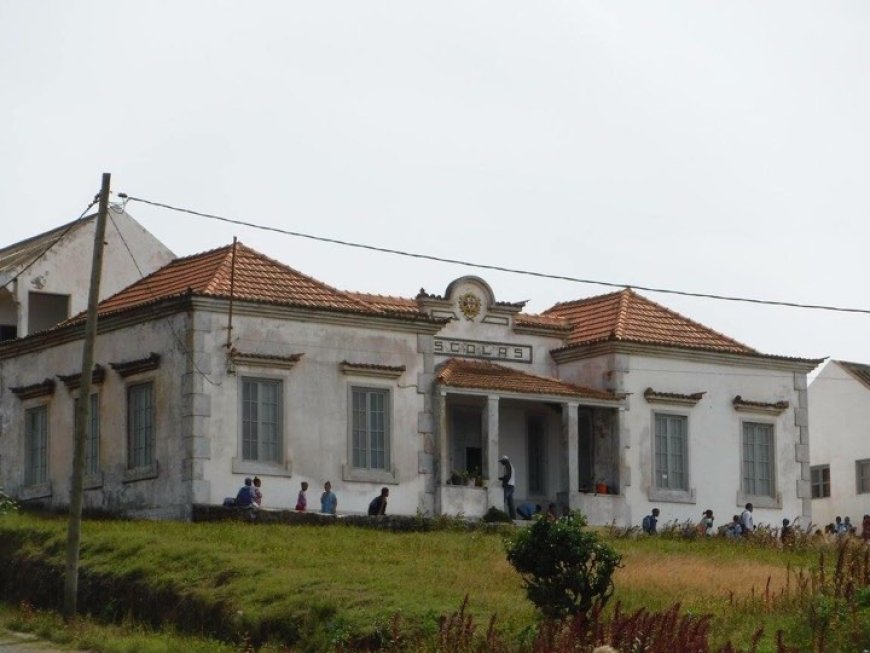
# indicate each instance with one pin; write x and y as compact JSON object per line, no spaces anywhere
{"x":468,"y":440}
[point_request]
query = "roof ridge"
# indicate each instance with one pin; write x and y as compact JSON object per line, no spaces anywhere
{"x":625,"y":297}
{"x":584,"y":300}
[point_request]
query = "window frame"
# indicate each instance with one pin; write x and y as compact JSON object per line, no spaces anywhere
{"x":29,"y":480}
{"x":862,"y":480}
{"x":774,"y":499}
{"x":686,"y":493}
{"x":278,"y":444}
{"x":823,"y":484}
{"x":350,"y":470}
{"x":92,"y":437}
{"x":246,"y":372}
{"x":148,"y":469}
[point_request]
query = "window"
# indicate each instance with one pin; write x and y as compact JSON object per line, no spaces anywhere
{"x":261,"y":420}
{"x":92,"y":437}
{"x":35,"y":445}
{"x":758,"y":478}
{"x":862,"y":474}
{"x":671,"y":452}
{"x":140,"y":425}
{"x":45,"y":310}
{"x":537,"y":454}
{"x":820,"y":480}
{"x":370,"y":429}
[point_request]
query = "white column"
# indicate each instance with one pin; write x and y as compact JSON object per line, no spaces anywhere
{"x":570,"y":437}
{"x":495,"y":494}
{"x":443,"y":448}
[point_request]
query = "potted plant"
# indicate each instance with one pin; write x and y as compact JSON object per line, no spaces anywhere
{"x":459,"y":477}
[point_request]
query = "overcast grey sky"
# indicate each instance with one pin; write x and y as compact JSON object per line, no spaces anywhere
{"x":719,"y":147}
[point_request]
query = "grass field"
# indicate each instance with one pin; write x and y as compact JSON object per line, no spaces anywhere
{"x":315,"y":585}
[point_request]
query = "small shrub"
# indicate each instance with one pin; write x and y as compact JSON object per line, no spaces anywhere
{"x":7,"y":504}
{"x":565,"y":569}
{"x":496,"y":516}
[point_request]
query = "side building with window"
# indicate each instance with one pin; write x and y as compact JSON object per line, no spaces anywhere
{"x":228,"y":364}
{"x":708,"y":422}
{"x":839,"y":398}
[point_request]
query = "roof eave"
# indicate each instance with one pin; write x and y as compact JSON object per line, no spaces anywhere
{"x":445,"y":389}
{"x":699,"y":354}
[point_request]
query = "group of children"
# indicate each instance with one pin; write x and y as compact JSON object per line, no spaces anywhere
{"x":743,"y":524}
{"x":250,"y":496}
{"x":739,"y":526}
{"x":328,"y":500}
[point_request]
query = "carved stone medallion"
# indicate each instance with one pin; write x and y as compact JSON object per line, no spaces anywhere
{"x":469,"y":304}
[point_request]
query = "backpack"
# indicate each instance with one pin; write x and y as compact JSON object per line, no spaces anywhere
{"x":647,"y":524}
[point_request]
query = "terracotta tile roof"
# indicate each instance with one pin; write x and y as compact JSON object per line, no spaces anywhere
{"x":23,"y":252}
{"x":483,"y":375}
{"x":778,"y":406}
{"x":629,"y":317}
{"x":388,"y":303}
{"x":859,"y":371}
{"x":543,"y":321}
{"x":653,"y":396}
{"x":258,"y":278}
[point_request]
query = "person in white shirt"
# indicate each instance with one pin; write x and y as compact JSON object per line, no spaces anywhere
{"x":746,"y":520}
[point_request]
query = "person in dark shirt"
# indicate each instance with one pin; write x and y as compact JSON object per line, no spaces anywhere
{"x":378,"y":505}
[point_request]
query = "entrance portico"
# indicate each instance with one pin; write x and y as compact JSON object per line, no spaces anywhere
{"x":486,"y":410}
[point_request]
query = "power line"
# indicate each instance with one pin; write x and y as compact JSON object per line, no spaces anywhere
{"x":498,"y":268}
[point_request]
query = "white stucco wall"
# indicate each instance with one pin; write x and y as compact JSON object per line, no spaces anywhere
{"x":164,"y":496}
{"x":316,"y":417}
{"x":840,"y":427}
{"x":714,"y":433}
{"x":65,"y":269}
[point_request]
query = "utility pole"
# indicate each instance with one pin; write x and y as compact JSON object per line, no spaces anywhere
{"x":74,"y":530}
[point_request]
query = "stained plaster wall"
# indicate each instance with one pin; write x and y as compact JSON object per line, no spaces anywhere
{"x":840,"y":425}
{"x":316,"y":415}
{"x":166,"y":495}
{"x":715,"y":434}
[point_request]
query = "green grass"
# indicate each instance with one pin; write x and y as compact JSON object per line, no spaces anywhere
{"x":320,"y":584}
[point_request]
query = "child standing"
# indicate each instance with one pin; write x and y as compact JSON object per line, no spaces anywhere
{"x":328,"y":500}
{"x":256,"y":493}
{"x":301,"y":501}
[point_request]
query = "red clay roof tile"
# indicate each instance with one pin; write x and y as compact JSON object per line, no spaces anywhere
{"x":629,"y":317}
{"x":482,"y":375}
{"x":256,"y":278}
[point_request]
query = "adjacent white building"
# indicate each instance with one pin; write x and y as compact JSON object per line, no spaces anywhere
{"x":44,"y":280}
{"x":840,"y":451}
{"x":229,"y":364}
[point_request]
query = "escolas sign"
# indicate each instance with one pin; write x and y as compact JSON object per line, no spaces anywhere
{"x":479,"y":349}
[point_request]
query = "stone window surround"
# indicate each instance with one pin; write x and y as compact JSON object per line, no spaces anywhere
{"x":858,"y":478}
{"x":666,"y":495}
{"x":239,"y":465}
{"x":90,"y":481}
{"x":43,"y":489}
{"x":152,"y":470}
{"x":759,"y":501}
{"x":365,"y":475}
{"x":821,"y":483}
